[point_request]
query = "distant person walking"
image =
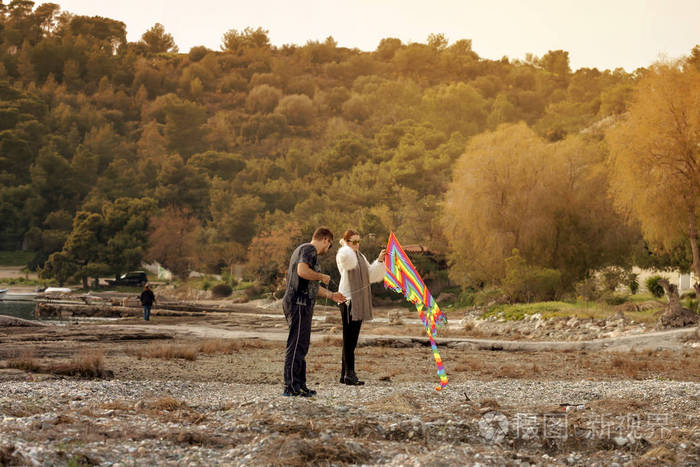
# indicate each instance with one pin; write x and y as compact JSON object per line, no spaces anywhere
{"x":147,"y":300}
{"x":298,"y":303}
{"x":356,"y":276}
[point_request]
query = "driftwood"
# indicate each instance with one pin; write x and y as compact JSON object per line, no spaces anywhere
{"x":8,"y":321}
{"x":675,"y":315}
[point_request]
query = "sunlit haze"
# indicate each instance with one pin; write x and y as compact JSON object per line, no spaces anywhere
{"x":599,"y":33}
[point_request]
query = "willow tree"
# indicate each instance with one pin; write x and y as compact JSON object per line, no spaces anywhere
{"x":489,"y":207}
{"x":655,"y":157}
{"x":513,"y":190}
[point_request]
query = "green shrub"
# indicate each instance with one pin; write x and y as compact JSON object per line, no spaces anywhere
{"x":525,"y":283}
{"x":206,"y":284}
{"x":633,"y":283}
{"x":466,"y":298}
{"x":654,"y":287}
{"x":588,"y":289}
{"x":611,"y":277}
{"x":489,"y":296}
{"x":221,"y":290}
{"x":614,"y":299}
{"x":228,"y":278}
{"x":519,"y":311}
{"x":254,"y":291}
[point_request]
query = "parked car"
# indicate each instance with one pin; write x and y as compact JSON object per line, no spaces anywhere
{"x":133,"y":278}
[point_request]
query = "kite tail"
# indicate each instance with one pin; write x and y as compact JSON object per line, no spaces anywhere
{"x":438,"y":362}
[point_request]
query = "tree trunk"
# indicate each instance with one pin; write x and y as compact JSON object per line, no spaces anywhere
{"x":693,"y":237}
{"x":675,"y":316}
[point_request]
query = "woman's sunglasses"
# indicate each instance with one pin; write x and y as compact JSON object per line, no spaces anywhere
{"x":354,"y":242}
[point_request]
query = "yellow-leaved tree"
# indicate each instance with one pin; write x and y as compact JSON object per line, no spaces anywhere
{"x":490,"y":206}
{"x":655,"y":157}
{"x":513,"y":190}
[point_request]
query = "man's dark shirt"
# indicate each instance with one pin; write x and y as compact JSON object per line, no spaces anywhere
{"x":301,"y":291}
{"x":147,"y":297}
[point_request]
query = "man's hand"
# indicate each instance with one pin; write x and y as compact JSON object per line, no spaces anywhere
{"x":325,"y":278}
{"x":338,"y":297}
{"x":305,"y":272}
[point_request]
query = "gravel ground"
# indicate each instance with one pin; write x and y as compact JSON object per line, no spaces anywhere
{"x":224,"y":406}
{"x":500,"y":422}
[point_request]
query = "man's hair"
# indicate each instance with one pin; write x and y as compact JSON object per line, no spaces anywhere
{"x":323,"y":233}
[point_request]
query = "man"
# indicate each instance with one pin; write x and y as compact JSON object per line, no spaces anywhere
{"x":298,"y":303}
{"x":147,"y":300}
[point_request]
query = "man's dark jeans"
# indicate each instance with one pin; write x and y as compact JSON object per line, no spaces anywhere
{"x":147,"y":312}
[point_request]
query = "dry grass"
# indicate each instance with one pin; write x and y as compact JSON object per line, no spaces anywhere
{"x":116,"y":405}
{"x":637,"y":365}
{"x":658,"y":455}
{"x":491,"y":403}
{"x":207,"y":347}
{"x":397,"y":402}
{"x":88,"y":364}
{"x":332,"y":341}
{"x":229,"y":346}
{"x":300,"y":451}
{"x":25,"y":361}
{"x":618,"y":406}
{"x":63,"y":419}
{"x":469,"y":366}
{"x":169,"y":351}
{"x":22,"y":409}
{"x":167,"y":403}
{"x":509,"y":371}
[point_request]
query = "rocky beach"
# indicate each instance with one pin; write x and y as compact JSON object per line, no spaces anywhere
{"x":204,"y":388}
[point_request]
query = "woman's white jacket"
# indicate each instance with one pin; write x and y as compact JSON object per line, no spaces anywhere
{"x":347,"y":260}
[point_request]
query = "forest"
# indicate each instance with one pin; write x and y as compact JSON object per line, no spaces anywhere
{"x":114,"y":152}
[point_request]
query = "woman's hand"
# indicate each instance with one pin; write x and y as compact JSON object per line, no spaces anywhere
{"x":382,"y":255}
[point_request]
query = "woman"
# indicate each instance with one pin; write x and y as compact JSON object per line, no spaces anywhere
{"x":356,"y":275}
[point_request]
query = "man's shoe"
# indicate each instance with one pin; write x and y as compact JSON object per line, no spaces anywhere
{"x":352,"y":380}
{"x":291,"y":392}
{"x":306,"y":392}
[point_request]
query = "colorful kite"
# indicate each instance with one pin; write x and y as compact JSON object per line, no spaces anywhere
{"x":401,"y":276}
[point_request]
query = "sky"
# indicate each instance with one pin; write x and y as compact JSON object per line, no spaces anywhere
{"x":605,"y":34}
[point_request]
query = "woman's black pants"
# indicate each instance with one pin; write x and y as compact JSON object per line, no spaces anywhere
{"x":351,"y":332}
